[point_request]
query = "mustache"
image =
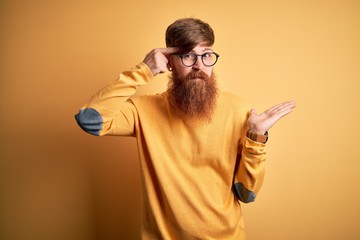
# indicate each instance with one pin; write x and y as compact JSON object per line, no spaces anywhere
{"x":197,"y":74}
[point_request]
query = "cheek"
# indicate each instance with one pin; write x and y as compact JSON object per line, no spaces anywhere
{"x":182,"y":72}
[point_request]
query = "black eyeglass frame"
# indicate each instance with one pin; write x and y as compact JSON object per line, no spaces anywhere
{"x":198,"y":55}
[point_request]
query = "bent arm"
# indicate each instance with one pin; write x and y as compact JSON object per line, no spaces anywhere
{"x":109,"y":111}
{"x":249,"y":174}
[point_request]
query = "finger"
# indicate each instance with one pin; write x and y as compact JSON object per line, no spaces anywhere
{"x":284,"y":105}
{"x":168,"y":50}
{"x":280,"y":113}
{"x":291,"y":103}
{"x":284,"y":112}
{"x":287,"y":110}
{"x":253,"y":111}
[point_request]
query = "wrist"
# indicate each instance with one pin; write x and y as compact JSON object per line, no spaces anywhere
{"x":257,"y":137}
{"x":258,"y":131}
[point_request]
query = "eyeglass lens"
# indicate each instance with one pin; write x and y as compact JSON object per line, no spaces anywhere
{"x":208,"y":59}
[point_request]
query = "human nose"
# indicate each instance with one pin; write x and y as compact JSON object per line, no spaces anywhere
{"x":198,"y":64}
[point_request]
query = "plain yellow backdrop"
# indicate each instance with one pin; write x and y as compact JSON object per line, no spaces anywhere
{"x":57,"y":182}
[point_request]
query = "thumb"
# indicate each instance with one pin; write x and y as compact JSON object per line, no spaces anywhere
{"x":253,"y":111}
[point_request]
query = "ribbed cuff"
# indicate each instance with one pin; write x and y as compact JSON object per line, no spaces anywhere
{"x":146,"y":70}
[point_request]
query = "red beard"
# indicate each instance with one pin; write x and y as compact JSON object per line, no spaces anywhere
{"x":195,"y":96}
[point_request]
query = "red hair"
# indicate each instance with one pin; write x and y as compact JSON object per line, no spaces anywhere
{"x":186,"y":33}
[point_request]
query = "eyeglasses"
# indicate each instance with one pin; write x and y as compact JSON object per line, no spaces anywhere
{"x":190,"y":59}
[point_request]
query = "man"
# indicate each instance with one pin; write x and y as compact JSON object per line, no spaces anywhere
{"x":201,"y":150}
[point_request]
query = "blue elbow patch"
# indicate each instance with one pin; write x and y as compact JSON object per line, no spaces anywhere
{"x":243,"y":193}
{"x":90,"y":121}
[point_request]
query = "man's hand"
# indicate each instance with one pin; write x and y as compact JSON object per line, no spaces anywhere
{"x":264,"y":121}
{"x":158,"y":58}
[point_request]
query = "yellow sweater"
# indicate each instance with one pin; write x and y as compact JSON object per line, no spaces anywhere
{"x":193,"y":175}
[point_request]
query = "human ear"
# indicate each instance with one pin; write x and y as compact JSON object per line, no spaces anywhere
{"x":169,"y":64}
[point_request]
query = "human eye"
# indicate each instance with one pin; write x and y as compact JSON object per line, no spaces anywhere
{"x":207,"y":55}
{"x":188,"y":56}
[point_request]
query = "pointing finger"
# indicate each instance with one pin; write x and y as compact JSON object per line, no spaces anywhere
{"x":169,"y":50}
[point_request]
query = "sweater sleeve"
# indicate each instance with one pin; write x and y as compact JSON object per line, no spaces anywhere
{"x":249,"y":172}
{"x":110,"y":111}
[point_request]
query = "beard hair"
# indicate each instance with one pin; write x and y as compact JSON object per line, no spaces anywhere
{"x":193,"y":99}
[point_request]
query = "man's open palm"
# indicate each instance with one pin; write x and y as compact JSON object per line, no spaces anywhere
{"x":261,"y":123}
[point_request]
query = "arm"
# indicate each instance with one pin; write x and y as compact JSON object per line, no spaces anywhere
{"x":249,"y":174}
{"x":250,"y":171}
{"x":110,"y":111}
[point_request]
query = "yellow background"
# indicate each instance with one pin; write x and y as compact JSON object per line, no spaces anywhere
{"x":56,"y":182}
